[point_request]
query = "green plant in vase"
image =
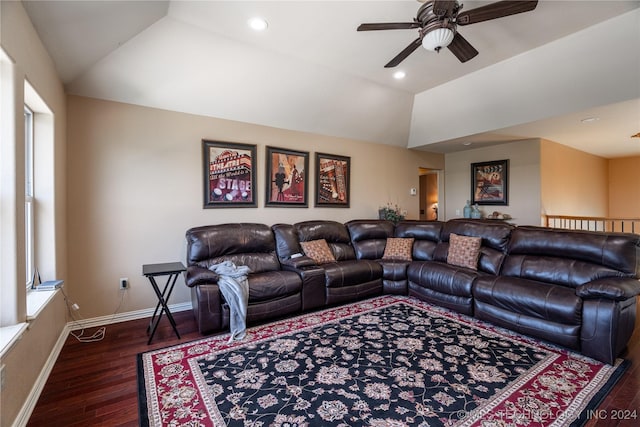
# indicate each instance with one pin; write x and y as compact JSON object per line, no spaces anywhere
{"x":390,"y":213}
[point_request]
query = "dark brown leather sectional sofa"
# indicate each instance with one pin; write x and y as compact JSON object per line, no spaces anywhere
{"x":573,"y":288}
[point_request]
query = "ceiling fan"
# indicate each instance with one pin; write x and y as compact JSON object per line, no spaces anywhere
{"x":437,"y":22}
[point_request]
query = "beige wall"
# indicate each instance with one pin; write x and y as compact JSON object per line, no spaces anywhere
{"x":135,"y":187}
{"x":574,"y":183}
{"x":524,"y":180}
{"x":624,"y":191}
{"x":26,"y":359}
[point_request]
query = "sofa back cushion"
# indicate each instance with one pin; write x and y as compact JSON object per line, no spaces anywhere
{"x":495,"y":238}
{"x":335,"y":233}
{"x":426,"y":235}
{"x":369,"y":237}
{"x":570,"y":257}
{"x":247,"y":244}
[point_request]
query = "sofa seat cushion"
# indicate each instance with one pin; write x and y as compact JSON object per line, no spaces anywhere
{"x":351,"y":272}
{"x":273,"y":284}
{"x":531,"y":298}
{"x":442,"y":278}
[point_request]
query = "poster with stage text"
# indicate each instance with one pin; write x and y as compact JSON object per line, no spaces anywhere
{"x":229,"y":174}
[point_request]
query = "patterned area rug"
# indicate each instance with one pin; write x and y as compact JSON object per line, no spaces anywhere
{"x":389,"y":361}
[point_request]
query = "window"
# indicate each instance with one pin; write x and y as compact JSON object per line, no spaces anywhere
{"x":27,"y":220}
{"x":29,"y":201}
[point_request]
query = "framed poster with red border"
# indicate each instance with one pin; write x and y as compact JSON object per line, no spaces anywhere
{"x":490,"y":183}
{"x":332,"y":180}
{"x":287,"y":183}
{"x":229,"y":174}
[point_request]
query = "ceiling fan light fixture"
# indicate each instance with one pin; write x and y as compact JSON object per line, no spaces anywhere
{"x":437,"y":38}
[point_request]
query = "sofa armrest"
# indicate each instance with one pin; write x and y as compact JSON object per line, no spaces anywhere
{"x":207,"y":308}
{"x":313,"y":284}
{"x":196,"y":275}
{"x":298,"y":262}
{"x":612,"y":288}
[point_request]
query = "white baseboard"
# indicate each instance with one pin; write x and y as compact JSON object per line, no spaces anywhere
{"x":30,"y":404}
{"x":123,"y":317}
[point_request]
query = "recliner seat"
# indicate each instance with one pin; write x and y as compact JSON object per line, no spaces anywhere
{"x":273,"y":292}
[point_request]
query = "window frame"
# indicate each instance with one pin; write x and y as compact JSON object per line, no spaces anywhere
{"x":29,"y":197}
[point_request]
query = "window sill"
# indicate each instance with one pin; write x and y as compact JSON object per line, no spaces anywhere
{"x":9,"y":335}
{"x":36,"y":302}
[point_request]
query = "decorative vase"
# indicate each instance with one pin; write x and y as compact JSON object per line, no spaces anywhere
{"x":475,"y":212}
{"x":467,"y":210}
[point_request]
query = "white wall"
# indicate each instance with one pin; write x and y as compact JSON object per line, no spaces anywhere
{"x":577,"y":72}
{"x":524,"y":180}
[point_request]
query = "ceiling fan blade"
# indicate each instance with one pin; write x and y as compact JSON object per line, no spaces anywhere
{"x":462,"y":49}
{"x":406,"y":52}
{"x":388,"y":26}
{"x":494,"y":11}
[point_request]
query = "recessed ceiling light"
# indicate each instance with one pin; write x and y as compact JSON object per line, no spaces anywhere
{"x":258,"y":24}
{"x":466,"y":143}
{"x":590,"y":119}
{"x":399,"y":75}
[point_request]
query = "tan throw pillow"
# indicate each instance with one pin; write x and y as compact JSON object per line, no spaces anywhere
{"x":318,"y":250}
{"x":464,"y":251}
{"x":398,"y":248}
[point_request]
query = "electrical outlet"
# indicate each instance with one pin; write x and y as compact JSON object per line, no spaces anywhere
{"x":124,"y":283}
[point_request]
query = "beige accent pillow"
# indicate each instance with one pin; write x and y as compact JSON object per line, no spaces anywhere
{"x":398,"y":248}
{"x":464,"y":251}
{"x":318,"y":250}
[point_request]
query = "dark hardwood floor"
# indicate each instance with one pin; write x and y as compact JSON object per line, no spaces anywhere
{"x":94,"y":384}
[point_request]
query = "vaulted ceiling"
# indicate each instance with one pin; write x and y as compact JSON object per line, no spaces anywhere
{"x":538,"y":74}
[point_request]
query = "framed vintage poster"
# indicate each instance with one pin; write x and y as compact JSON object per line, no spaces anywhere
{"x":332,"y":180}
{"x":229,"y":174}
{"x":490,"y":183}
{"x":286,"y":177}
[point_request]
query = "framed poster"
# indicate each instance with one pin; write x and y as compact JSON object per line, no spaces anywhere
{"x":229,"y":174}
{"x":332,"y":180}
{"x":287,"y":177}
{"x":490,"y":183}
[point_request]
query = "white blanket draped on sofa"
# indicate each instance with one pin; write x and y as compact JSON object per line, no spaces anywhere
{"x":234,"y":286}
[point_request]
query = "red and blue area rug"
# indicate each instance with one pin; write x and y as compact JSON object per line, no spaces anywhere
{"x":388,"y":361}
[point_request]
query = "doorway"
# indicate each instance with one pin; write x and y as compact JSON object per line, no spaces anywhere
{"x":430,"y":203}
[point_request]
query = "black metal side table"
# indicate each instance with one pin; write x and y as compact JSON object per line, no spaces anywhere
{"x":173,"y":270}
